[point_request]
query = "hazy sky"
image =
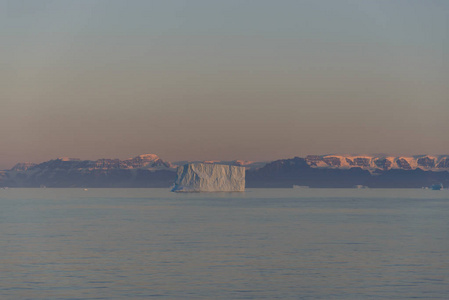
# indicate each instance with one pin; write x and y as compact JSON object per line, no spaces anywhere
{"x":254,"y":80}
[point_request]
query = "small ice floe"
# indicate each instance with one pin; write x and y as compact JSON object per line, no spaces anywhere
{"x":436,"y":187}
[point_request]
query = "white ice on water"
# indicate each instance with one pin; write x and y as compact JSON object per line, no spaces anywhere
{"x":199,"y":177}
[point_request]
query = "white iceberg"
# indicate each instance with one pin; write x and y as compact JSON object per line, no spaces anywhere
{"x":199,"y":177}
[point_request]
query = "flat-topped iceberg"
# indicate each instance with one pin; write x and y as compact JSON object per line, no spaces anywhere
{"x":199,"y":177}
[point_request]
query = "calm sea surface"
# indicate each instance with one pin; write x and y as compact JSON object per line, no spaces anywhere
{"x":261,"y":244}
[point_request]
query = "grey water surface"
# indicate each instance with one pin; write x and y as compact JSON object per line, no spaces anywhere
{"x":260,"y":244}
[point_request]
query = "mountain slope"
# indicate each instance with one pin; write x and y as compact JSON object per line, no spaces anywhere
{"x":299,"y":171}
{"x":146,"y":170}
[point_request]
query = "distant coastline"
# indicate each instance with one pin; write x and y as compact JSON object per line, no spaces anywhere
{"x":320,"y":171}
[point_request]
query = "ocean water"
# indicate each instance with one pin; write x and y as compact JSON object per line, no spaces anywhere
{"x":261,"y":244}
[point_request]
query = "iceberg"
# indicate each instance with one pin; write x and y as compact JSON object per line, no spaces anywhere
{"x":199,"y":177}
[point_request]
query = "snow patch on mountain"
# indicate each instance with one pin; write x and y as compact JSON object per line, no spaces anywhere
{"x":64,"y":158}
{"x":148,"y":161}
{"x":22,"y":166}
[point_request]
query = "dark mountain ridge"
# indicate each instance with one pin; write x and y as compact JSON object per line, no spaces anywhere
{"x":286,"y":173}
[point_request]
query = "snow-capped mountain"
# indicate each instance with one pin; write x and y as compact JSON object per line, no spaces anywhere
{"x":378,"y":163}
{"x":144,"y":161}
{"x":350,"y":171}
{"x":147,"y":170}
{"x":249,"y":165}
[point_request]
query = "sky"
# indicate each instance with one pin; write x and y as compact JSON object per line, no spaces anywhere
{"x":222,"y":80}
